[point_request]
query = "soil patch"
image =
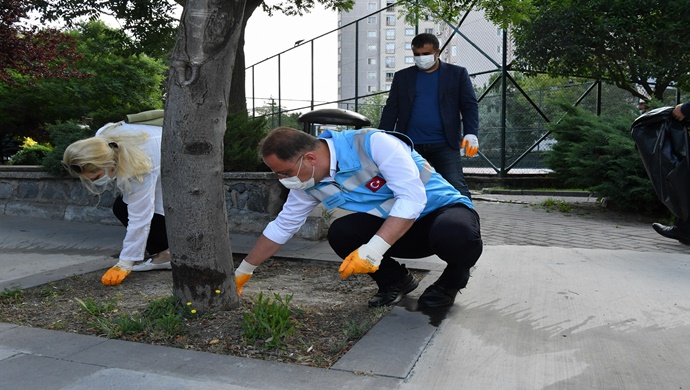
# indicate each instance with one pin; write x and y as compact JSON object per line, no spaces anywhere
{"x":329,"y":314}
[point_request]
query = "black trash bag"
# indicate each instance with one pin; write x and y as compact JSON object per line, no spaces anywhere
{"x":662,"y":142}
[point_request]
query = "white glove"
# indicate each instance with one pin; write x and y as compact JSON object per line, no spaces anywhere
{"x":469,"y":146}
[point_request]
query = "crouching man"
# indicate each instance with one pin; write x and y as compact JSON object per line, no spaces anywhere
{"x":400,"y":208}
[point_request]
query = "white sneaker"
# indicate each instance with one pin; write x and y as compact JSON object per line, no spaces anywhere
{"x":149,"y":265}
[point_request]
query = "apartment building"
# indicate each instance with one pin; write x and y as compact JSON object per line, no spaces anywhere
{"x":375,"y":42}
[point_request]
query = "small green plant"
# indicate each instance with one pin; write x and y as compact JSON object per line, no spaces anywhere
{"x":94,"y":308}
{"x":552,"y":204}
{"x":269,"y":320}
{"x":49,"y":291}
{"x":129,"y":325}
{"x":162,"y":317}
{"x":11,"y":294}
{"x":354,"y":330}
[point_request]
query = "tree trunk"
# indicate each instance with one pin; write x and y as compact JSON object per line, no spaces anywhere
{"x":238,"y":94}
{"x":196,"y":110}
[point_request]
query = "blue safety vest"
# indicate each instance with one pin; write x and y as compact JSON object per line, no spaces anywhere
{"x":359,"y":186}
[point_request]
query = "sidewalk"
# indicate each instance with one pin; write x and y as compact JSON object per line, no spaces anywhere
{"x":557,"y":301}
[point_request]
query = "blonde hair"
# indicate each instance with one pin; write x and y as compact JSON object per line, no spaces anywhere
{"x":112,"y":148}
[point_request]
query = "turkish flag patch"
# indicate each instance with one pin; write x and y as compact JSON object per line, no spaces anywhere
{"x":376,"y":183}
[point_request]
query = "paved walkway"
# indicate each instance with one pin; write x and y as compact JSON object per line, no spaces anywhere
{"x":557,"y":301}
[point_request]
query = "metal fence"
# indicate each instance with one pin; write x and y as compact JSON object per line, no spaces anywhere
{"x":514,"y":110}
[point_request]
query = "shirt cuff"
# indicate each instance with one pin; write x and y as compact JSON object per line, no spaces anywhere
{"x":406,"y":209}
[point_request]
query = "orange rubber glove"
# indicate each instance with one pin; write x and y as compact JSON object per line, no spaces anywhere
{"x":365,"y":259}
{"x":242,"y":275}
{"x":117,"y":273}
{"x":469,"y":146}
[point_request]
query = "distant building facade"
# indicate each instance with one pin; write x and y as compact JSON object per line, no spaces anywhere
{"x":380,"y":44}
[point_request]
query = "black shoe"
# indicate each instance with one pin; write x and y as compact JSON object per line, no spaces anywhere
{"x":392,"y":294}
{"x":438,"y":295}
{"x":672,"y":232}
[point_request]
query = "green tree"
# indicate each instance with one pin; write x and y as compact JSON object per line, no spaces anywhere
{"x":503,"y":13}
{"x":152,"y":24}
{"x":630,"y":43}
{"x":120,"y":84}
{"x":31,"y":52}
{"x":269,"y":112}
{"x":372,"y":107}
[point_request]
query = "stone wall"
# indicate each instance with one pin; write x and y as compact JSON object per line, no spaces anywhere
{"x":253,"y":200}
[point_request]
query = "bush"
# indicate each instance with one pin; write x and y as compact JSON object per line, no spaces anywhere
{"x":30,"y":155}
{"x":241,"y":142}
{"x":62,"y":135}
{"x":598,"y":153}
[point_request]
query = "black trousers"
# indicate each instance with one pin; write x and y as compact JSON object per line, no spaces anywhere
{"x":158,"y":236}
{"x":451,"y":233}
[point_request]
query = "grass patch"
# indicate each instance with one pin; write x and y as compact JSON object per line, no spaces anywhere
{"x":11,"y":295}
{"x":269,"y":320}
{"x":556,"y":205}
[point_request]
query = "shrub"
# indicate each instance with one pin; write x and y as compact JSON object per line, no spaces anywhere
{"x":30,"y":155}
{"x":62,"y":134}
{"x":241,"y":142}
{"x":598,"y":153}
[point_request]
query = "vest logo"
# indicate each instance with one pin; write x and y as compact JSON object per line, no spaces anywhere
{"x":376,"y":183}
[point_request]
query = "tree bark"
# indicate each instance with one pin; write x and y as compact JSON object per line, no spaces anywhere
{"x":196,"y":110}
{"x":238,"y":95}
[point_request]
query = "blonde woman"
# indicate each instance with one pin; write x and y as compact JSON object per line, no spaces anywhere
{"x":126,"y":156}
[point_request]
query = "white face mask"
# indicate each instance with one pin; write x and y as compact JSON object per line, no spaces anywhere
{"x":294,"y":183}
{"x":425,"y":62}
{"x":103,"y":181}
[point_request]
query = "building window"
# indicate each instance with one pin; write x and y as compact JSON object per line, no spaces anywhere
{"x":390,"y":47}
{"x":390,"y":20}
{"x":371,"y":88}
{"x":389,"y":76}
{"x":371,"y":75}
{"x":371,"y":19}
{"x":408,"y":45}
{"x":390,"y":33}
{"x":409,"y":31}
{"x":371,"y":6}
{"x":390,"y":62}
{"x":454,"y":51}
{"x":387,"y":87}
{"x":371,"y":47}
{"x":371,"y":61}
{"x":390,"y":3}
{"x":498,"y":49}
{"x":429,"y":30}
{"x":409,"y":60}
{"x":371,"y":34}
